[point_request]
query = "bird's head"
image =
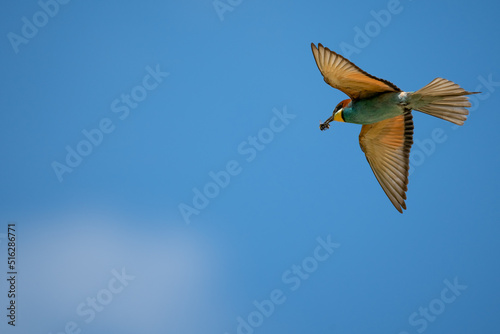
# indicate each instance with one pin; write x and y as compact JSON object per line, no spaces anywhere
{"x":337,"y":115}
{"x":339,"y":110}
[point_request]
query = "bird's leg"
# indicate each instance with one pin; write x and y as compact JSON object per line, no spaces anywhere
{"x":326,"y":124}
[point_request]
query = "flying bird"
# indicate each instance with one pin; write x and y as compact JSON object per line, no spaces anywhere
{"x":384,"y":111}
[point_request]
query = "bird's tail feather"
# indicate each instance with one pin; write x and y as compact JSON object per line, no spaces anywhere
{"x":443,"y":99}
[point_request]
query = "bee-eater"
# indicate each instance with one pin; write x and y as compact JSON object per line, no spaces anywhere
{"x":384,"y":110}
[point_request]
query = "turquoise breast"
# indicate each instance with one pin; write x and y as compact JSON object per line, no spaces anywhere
{"x":376,"y":109}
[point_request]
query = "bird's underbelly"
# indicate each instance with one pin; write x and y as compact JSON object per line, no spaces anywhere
{"x":376,"y":109}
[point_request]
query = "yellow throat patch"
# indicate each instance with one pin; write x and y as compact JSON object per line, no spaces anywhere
{"x":338,"y":116}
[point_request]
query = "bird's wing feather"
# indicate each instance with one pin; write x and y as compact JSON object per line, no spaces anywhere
{"x":387,"y":145}
{"x":340,"y":73}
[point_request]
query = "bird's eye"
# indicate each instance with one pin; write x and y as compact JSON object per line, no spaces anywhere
{"x":338,"y":107}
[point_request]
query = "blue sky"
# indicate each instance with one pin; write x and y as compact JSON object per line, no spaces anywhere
{"x":116,"y":116}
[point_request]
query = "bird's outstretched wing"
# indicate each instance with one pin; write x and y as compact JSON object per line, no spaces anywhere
{"x":387,"y":147}
{"x":340,"y":73}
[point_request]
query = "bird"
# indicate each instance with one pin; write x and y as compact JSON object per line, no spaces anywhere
{"x":384,"y":111}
